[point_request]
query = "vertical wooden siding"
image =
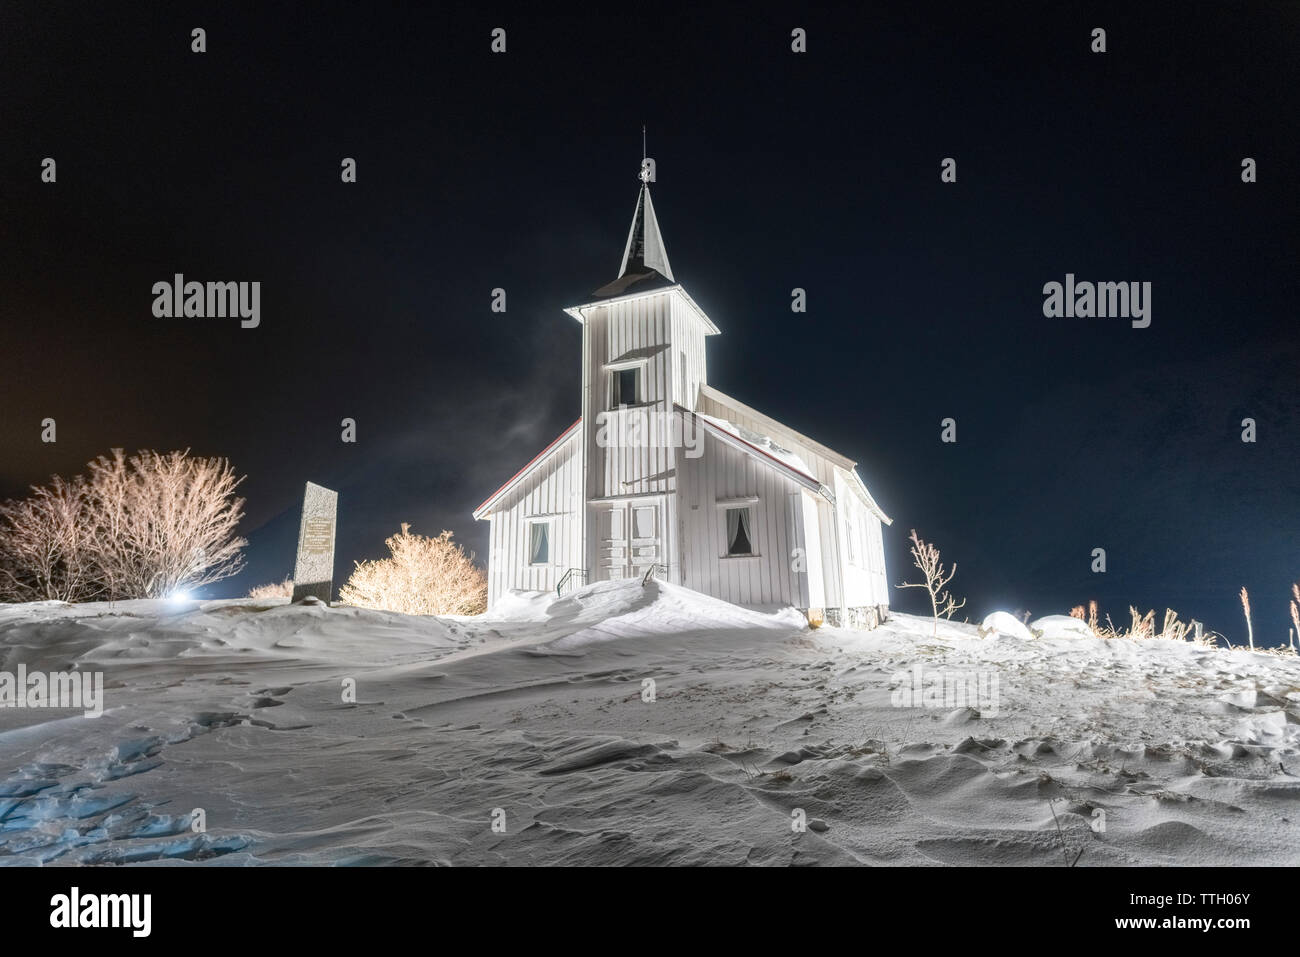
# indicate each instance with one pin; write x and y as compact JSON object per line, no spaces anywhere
{"x":551,"y":491}
{"x":723,"y":473}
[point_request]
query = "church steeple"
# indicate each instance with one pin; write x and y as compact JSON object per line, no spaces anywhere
{"x":645,"y":260}
{"x":645,"y":243}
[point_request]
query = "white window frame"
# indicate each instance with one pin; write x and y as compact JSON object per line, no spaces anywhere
{"x":746,"y":505}
{"x":641,"y":367}
{"x":550,"y":543}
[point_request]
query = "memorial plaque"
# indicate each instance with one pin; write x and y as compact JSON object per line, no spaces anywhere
{"x":313,"y":574}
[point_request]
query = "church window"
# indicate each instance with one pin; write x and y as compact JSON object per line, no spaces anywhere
{"x":539,"y":543}
{"x":739,"y":537}
{"x":624,"y":387}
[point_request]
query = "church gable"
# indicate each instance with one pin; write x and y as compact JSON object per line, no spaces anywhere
{"x":536,"y":521}
{"x":563,"y":444}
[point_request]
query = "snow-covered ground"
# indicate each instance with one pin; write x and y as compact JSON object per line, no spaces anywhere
{"x":540,"y":718}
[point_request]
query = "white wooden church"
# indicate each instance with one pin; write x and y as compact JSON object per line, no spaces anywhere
{"x":665,"y":476}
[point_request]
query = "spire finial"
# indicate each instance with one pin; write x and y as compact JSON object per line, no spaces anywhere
{"x":645,"y":174}
{"x":645,"y":244}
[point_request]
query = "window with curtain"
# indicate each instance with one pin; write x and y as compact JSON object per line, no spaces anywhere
{"x":539,"y":543}
{"x":739,"y":537}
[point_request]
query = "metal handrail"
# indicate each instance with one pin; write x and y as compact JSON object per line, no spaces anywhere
{"x":649,"y":573}
{"x":559,"y":588}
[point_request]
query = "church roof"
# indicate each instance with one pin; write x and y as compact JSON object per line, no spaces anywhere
{"x":631,"y":284}
{"x":645,"y":243}
{"x":757,"y":446}
{"x":645,"y":260}
{"x":779,"y":436}
{"x":764,"y":444}
{"x":645,"y":267}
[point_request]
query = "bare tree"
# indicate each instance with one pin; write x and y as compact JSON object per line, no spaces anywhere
{"x":109,"y":503}
{"x":164,"y":522}
{"x":423,"y":576}
{"x":43,"y":545}
{"x":141,"y":527}
{"x":926,"y":558}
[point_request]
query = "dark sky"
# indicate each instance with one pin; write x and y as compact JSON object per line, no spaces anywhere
{"x":775,"y":170}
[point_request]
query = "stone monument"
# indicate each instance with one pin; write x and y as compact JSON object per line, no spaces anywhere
{"x":313,"y":574}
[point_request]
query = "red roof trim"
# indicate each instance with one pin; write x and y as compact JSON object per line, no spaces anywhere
{"x":520,"y":474}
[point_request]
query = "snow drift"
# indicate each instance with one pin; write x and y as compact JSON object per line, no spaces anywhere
{"x":631,"y":724}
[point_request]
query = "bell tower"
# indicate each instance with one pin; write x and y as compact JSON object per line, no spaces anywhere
{"x":642,"y":361}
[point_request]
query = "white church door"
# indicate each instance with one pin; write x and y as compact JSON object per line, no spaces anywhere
{"x":629,"y":538}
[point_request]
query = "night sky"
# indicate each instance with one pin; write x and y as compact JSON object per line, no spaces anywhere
{"x":775,"y":170}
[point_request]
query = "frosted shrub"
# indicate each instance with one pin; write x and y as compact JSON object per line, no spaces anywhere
{"x":282,"y":589}
{"x":424,"y":576}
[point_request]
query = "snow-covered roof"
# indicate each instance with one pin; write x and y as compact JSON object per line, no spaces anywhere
{"x":759,"y":447}
{"x":783,"y":433}
{"x":779,"y":427}
{"x":763,"y":443}
{"x":860,"y":487}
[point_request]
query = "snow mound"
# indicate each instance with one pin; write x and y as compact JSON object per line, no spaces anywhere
{"x":1003,"y":623}
{"x":630,"y":609}
{"x":517,"y":605}
{"x":1060,"y":626}
{"x":49,"y":636}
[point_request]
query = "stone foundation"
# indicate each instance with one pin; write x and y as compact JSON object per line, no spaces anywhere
{"x":862,"y":617}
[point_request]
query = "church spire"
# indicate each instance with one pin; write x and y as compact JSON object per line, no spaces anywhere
{"x":645,"y":244}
